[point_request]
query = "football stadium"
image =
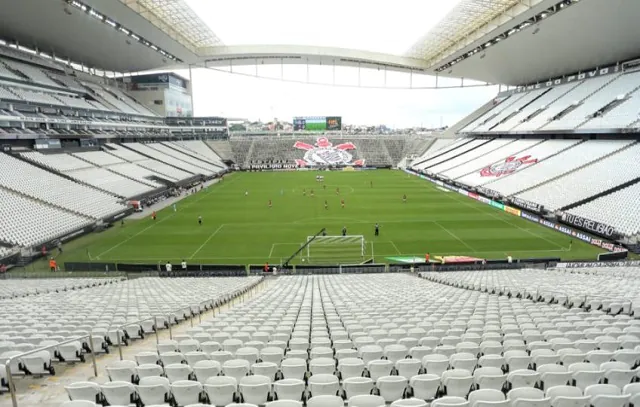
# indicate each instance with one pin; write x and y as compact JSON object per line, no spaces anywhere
{"x":155,"y":251}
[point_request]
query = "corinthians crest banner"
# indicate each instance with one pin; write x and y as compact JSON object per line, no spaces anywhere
{"x":509,"y":166}
{"x":324,"y":153}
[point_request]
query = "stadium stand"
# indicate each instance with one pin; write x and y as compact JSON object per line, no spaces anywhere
{"x":163,"y":157}
{"x":428,"y":339}
{"x":167,"y":171}
{"x":102,"y":311}
{"x":33,"y":222}
{"x":484,"y":149}
{"x":55,"y":190}
{"x":471,"y":165}
{"x":223,"y":149}
{"x":24,"y":287}
{"x":539,"y":152}
{"x":616,"y":209}
{"x":198,"y":149}
{"x":206,"y":167}
{"x":442,"y":155}
{"x":588,"y":180}
{"x":89,"y":174}
{"x":557,"y":165}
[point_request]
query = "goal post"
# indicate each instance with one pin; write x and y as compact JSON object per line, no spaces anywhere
{"x":334,"y":249}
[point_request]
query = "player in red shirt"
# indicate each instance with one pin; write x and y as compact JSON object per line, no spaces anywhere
{"x":153,"y":215}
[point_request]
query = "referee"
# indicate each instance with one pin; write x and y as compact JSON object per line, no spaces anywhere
{"x":377,"y":230}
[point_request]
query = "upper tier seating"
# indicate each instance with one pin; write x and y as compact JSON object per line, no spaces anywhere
{"x":56,"y":190}
{"x":604,"y":102}
{"x":590,"y":180}
{"x":29,"y":223}
{"x":618,"y":209}
{"x":34,"y":73}
{"x":538,"y":152}
{"x":557,"y":165}
{"x":599,"y":99}
{"x":511,"y":109}
{"x":499,"y":106}
{"x":535,"y":107}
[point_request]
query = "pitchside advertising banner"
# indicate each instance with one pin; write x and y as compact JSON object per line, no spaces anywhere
{"x":633,"y":263}
{"x":537,"y":219}
{"x":527,"y":205}
{"x":592,"y":226}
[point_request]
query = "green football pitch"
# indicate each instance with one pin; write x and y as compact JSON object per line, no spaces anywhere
{"x":240,"y":228}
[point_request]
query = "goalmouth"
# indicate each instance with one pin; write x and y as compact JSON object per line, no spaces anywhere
{"x":336,"y":249}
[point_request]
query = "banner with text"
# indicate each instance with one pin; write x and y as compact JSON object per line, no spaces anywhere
{"x":588,"y":225}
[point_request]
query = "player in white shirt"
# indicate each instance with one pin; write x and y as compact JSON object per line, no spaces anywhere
{"x":168,"y":267}
{"x":184,"y":265}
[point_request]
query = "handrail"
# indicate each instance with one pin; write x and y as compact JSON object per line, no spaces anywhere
{"x":120,"y":328}
{"x":10,"y":383}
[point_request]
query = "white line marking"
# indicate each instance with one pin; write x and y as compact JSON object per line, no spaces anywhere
{"x":493,"y":215}
{"x":206,"y":241}
{"x":133,"y":236}
{"x":201,"y":197}
{"x":454,"y":236}
{"x":273,"y":246}
{"x":395,"y":247}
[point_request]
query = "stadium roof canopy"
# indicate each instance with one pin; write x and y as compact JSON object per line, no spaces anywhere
{"x":509,"y":42}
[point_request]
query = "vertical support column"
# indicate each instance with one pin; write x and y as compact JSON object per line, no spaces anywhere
{"x":191,"y":91}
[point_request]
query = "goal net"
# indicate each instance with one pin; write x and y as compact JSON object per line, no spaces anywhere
{"x":336,"y":249}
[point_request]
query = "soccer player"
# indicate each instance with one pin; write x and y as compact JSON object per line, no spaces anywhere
{"x":324,"y":232}
{"x":175,"y":209}
{"x":184,"y":265}
{"x":246,"y":193}
{"x":404,"y":198}
{"x":270,"y":203}
{"x":344,"y":231}
{"x":371,"y":183}
{"x":337,"y":191}
{"x":342,"y":203}
{"x":153,"y":215}
{"x":570,"y":243}
{"x":312,"y":193}
{"x":326,"y":205}
{"x":377,"y":230}
{"x":200,"y":220}
{"x":324,"y":186}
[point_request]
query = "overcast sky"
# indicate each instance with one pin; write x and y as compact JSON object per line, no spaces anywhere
{"x":358,"y":24}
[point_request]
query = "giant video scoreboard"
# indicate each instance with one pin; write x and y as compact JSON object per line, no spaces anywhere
{"x":317,"y":123}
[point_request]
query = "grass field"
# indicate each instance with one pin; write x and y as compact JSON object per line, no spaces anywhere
{"x":242,"y":229}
